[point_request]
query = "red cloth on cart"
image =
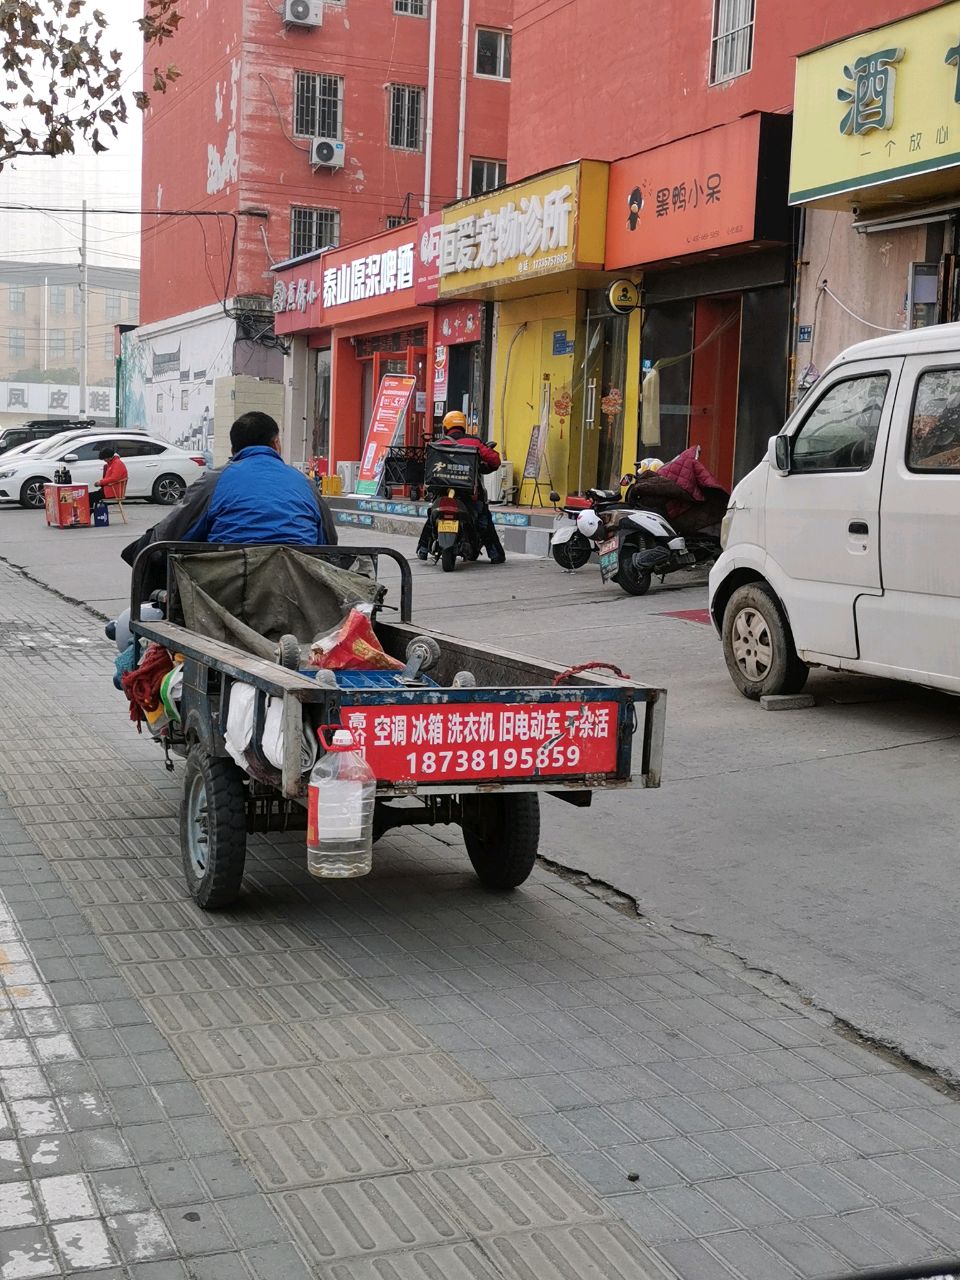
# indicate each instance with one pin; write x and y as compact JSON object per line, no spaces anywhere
{"x":142,"y":685}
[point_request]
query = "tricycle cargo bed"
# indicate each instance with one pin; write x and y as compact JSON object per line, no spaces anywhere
{"x":453,"y":733}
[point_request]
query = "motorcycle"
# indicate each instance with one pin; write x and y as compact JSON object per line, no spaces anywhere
{"x":452,"y":483}
{"x":668,"y":520}
{"x":570,"y":548}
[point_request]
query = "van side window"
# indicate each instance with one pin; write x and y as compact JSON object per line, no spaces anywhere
{"x":840,"y":432}
{"x":934,"y":442}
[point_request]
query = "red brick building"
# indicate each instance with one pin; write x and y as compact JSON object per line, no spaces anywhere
{"x":337,"y":119}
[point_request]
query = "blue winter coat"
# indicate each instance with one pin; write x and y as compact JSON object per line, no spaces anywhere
{"x":258,"y":498}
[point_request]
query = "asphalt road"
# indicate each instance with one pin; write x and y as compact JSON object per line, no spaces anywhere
{"x":818,"y":845}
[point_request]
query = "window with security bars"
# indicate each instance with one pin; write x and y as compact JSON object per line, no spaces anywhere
{"x":485,"y":175}
{"x":731,"y":52}
{"x":416,"y":8}
{"x":312,"y":229}
{"x":318,"y":105}
{"x":406,"y":117}
{"x":395,"y":220}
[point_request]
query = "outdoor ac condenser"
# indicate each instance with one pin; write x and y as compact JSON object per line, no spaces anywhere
{"x":499,"y":484}
{"x":348,"y":473}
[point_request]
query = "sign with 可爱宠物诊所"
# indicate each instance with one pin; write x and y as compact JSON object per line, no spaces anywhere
{"x":545,"y":225}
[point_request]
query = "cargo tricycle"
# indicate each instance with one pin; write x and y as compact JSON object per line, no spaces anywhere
{"x":457,"y":733}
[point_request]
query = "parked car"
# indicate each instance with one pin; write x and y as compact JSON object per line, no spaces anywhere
{"x":158,"y":471}
{"x":40,"y":429}
{"x":840,"y":547}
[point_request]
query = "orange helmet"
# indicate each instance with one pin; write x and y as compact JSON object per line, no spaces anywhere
{"x":455,"y":420}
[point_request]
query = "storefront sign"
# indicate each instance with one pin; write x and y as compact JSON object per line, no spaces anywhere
{"x":878,"y":115}
{"x":371,"y":278}
{"x":459,"y":322}
{"x":562,"y":344}
{"x":427,"y":265}
{"x":697,"y":194}
{"x":623,"y":296}
{"x":548,"y":224}
{"x":386,"y":424}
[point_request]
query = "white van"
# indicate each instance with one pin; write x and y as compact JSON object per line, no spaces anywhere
{"x":842,"y":548}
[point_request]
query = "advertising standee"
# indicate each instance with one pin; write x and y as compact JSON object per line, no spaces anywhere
{"x":386,"y":426}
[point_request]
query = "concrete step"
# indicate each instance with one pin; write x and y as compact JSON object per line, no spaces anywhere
{"x":521,"y":530}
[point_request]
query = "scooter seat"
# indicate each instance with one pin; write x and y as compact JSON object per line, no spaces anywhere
{"x":603,"y":495}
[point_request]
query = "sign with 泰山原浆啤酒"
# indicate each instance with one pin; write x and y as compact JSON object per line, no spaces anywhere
{"x":543,"y":226}
{"x":698,"y":194}
{"x":877,"y":116}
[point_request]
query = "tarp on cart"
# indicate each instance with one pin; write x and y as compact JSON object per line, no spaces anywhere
{"x":251,"y":596}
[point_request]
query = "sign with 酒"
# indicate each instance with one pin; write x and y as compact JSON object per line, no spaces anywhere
{"x":386,"y":426}
{"x":694,"y":195}
{"x":878,"y":115}
{"x":545,"y":225}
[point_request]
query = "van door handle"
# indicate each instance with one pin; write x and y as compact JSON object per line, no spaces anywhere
{"x":858,"y":527}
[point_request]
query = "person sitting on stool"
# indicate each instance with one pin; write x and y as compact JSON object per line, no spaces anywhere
{"x":113,"y":479}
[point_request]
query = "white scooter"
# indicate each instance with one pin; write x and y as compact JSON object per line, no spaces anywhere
{"x":632,"y":545}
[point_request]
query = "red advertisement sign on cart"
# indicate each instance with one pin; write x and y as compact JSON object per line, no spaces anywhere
{"x":486,"y":741}
{"x":386,"y":424}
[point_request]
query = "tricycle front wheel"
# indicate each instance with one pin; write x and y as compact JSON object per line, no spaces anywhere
{"x":502,"y":834}
{"x":213,"y":830}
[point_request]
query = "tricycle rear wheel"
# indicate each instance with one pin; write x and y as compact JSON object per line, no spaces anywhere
{"x":213,"y":830}
{"x":502,"y":834}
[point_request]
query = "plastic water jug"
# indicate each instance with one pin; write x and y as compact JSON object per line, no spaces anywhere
{"x":341,"y":798}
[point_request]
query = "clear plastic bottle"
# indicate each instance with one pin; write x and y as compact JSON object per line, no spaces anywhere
{"x":341,"y":798}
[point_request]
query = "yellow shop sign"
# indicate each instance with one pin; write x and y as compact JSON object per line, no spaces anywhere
{"x":549,"y":224}
{"x":877,"y":116}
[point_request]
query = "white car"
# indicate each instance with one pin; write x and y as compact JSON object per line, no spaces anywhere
{"x":157,"y":471}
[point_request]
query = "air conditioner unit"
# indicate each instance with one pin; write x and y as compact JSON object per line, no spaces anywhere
{"x":303,"y":13}
{"x":349,"y":473}
{"x":327,"y":153}
{"x":499,"y":484}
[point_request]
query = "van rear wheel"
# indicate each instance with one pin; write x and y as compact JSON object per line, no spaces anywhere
{"x":758,"y":644}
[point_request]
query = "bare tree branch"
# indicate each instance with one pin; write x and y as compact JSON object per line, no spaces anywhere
{"x":58,"y":80}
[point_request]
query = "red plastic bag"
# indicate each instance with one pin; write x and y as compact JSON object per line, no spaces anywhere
{"x":352,"y":646}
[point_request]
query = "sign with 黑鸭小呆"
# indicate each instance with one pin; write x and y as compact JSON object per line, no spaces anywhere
{"x":877,"y":115}
{"x":699,"y":194}
{"x":545,"y":225}
{"x":386,"y":425}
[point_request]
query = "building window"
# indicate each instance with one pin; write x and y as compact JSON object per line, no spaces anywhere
{"x":485,"y":175}
{"x":112,"y":304}
{"x":312,"y":229}
{"x":493,"y":53}
{"x":17,"y":344}
{"x":184,"y":398}
{"x":57,"y":344}
{"x":406,"y":116}
{"x":58,"y":299}
{"x":17,"y":297}
{"x":318,"y":106}
{"x":731,"y":52}
{"x":416,"y":8}
{"x":159,"y":402}
{"x":108,"y":346}
{"x":395,"y":220}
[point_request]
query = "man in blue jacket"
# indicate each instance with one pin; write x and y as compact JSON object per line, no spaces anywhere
{"x":256,"y":497}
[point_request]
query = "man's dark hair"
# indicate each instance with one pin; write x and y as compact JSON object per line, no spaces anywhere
{"x":106,"y":454}
{"x":253,"y":428}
